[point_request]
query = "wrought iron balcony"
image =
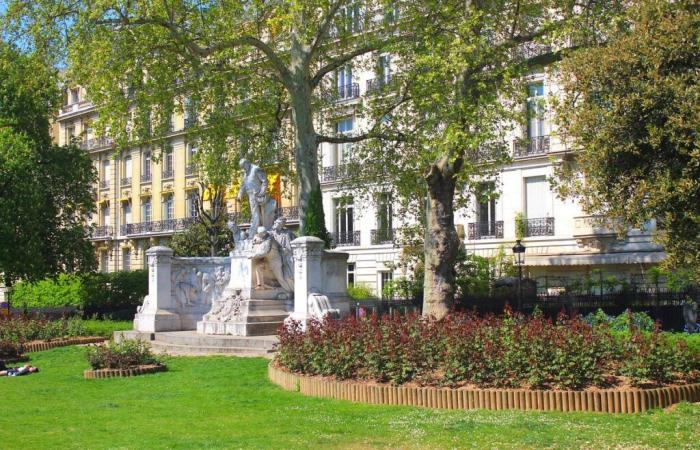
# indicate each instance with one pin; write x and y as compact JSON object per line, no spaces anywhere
{"x":94,"y":143}
{"x":485,"y":230}
{"x":168,"y":174}
{"x":189,"y":169}
{"x":345,"y":239}
{"x":126,"y":181}
{"x":382,"y":236}
{"x":157,"y":226}
{"x":377,"y":84}
{"x":349,"y":91}
{"x":145,"y":177}
{"x":103,"y":232}
{"x":533,"y":146}
{"x":290,"y":213}
{"x":334,"y":173}
{"x":104,"y":184}
{"x":543,"y":226}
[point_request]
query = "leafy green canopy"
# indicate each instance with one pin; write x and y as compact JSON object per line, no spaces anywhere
{"x":632,"y":113}
{"x":45,"y":190}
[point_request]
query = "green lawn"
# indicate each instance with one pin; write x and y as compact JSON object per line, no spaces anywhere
{"x":106,"y":327}
{"x":228,"y":402}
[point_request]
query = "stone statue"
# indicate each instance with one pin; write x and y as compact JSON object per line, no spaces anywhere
{"x":265,"y":252}
{"x":690,"y":317}
{"x":262,"y":207}
{"x":284,"y":238}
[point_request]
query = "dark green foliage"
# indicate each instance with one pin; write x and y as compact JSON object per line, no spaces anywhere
{"x":194,"y":241}
{"x":314,"y":221}
{"x":508,"y":351}
{"x":22,"y":330}
{"x":125,"y":354}
{"x":97,"y":293}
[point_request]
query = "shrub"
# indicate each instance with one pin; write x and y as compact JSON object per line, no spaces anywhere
{"x":627,"y":321}
{"x":512,"y":350}
{"x":101,"y":293}
{"x":359,"y":291}
{"x":121,"y":355}
{"x":23,"y":330}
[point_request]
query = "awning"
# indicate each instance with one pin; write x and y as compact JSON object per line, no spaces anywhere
{"x":145,"y":194}
{"x":594,"y":259}
{"x":125,"y":199}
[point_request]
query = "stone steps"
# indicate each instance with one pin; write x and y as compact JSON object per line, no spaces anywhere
{"x":190,"y":350}
{"x":199,"y":340}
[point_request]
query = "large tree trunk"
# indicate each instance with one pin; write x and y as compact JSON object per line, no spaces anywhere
{"x":441,"y":241}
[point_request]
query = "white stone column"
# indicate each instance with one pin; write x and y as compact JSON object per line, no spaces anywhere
{"x":308,"y":277}
{"x":158,"y":312}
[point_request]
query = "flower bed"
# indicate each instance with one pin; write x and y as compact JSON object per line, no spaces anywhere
{"x":126,"y":358}
{"x":23,"y":330}
{"x":608,"y":400}
{"x":464,"y":350}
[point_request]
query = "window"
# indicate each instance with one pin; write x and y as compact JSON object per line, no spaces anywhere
{"x":74,"y":95}
{"x":386,"y":288}
{"x":344,"y":82}
{"x":105,"y":172}
{"x":126,"y":213}
{"x":384,"y":69}
{"x":190,"y":112}
{"x":168,"y":213}
{"x":192,"y":210}
{"x":104,"y":215}
{"x":146,"y":169}
{"x":385,"y":219}
{"x":351,"y":274}
{"x":344,"y":220}
{"x":146,"y":210}
{"x":350,"y":18}
{"x":486,"y":203}
{"x":70,"y":134}
{"x":535,"y":111}
{"x":104,"y":262}
{"x":391,"y":12}
{"x":126,"y":259}
{"x":344,"y":151}
{"x":191,"y":156}
{"x":538,"y":199}
{"x":127,"y":167}
{"x":168,"y":164}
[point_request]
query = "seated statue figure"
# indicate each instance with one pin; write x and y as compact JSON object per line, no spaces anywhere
{"x":265,"y":252}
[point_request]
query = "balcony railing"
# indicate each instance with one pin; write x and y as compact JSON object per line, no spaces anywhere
{"x":543,"y":226}
{"x":382,"y":236}
{"x":104,"y":184}
{"x":103,"y":232}
{"x":349,"y":91}
{"x":91,"y":144}
{"x":126,"y":181}
{"x":288,"y":212}
{"x":345,"y":239}
{"x":334,"y":173}
{"x":533,"y":146}
{"x":145,"y":177}
{"x":189,"y":169}
{"x":168,"y":174}
{"x":485,"y":230}
{"x":156,"y":226}
{"x":530,"y":50}
{"x":377,"y":84}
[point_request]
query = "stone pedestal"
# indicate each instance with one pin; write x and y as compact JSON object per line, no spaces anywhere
{"x":158,"y":313}
{"x":243,"y":310}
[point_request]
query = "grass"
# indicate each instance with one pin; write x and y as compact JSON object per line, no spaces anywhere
{"x":106,"y":328}
{"x":220,"y":402}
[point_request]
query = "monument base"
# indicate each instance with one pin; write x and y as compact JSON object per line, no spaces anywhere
{"x":161,"y":320}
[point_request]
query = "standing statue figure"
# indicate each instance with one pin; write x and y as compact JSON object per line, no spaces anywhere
{"x":284,"y":238}
{"x":262,"y":207}
{"x":265,"y":252}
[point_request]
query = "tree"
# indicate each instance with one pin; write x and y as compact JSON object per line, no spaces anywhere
{"x":236,"y":60}
{"x":631,"y":111}
{"x":442,"y":121}
{"x":45,"y":190}
{"x":195,"y":241}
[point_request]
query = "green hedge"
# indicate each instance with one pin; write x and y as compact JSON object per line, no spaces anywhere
{"x":95,"y":293}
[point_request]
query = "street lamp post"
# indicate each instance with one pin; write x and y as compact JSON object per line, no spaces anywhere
{"x":519,"y":249}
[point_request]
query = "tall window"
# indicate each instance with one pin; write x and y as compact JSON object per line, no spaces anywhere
{"x":350,"y":19}
{"x":538,"y":198}
{"x":126,"y":213}
{"x":192,"y":210}
{"x":190,"y":107}
{"x":146,"y":209}
{"x":535,"y":111}
{"x":146,"y":169}
{"x":386,"y":278}
{"x":168,"y":211}
{"x":384,"y":69}
{"x":486,"y":204}
{"x":104,"y":215}
{"x":351,"y":274}
{"x":344,"y":151}
{"x":104,"y":262}
{"x":105,"y":173}
{"x":344,"y":82}
{"x":75,"y":95}
{"x":168,"y":164}
{"x":126,"y":259}
{"x":385,"y":217}
{"x":70,"y":134}
{"x":344,"y":219}
{"x":127,"y":169}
